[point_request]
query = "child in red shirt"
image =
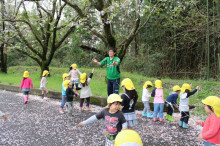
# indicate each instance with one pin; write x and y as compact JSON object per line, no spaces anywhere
{"x":211,"y":127}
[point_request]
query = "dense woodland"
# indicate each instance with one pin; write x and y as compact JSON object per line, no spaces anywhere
{"x":160,"y":38}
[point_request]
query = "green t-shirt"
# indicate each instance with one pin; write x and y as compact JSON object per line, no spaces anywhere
{"x":113,"y":71}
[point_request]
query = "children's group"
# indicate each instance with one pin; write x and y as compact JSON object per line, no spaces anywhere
{"x":119,"y":114}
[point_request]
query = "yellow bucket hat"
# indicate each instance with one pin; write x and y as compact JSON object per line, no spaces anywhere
{"x":45,"y":72}
{"x":147,"y":84}
{"x":65,"y":75}
{"x":65,"y":83}
{"x":184,"y":87}
{"x":83,"y":78}
{"x":26,"y":74}
{"x":158,"y":84}
{"x":128,"y":84}
{"x":128,"y":137}
{"x":176,"y":88}
{"x":214,"y":102}
{"x":113,"y":98}
{"x":74,"y":66}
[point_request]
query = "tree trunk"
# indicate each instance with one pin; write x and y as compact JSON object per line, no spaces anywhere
{"x":44,"y":66}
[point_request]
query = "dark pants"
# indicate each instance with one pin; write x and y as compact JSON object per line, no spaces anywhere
{"x":170,"y":108}
{"x":113,"y":86}
{"x":87,"y":101}
{"x":184,"y":117}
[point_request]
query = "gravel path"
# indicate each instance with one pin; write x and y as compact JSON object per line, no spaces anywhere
{"x":39,"y":123}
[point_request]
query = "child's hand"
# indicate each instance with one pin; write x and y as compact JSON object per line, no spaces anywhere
{"x":4,"y":117}
{"x":176,"y":106}
{"x":200,"y":136}
{"x":94,"y":60}
{"x":198,"y":88}
{"x":93,"y":70}
{"x":80,"y":124}
{"x":199,"y":122}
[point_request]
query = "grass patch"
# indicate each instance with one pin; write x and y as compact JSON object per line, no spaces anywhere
{"x":99,"y":85}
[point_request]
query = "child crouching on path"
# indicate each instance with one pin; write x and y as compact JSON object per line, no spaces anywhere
{"x":145,"y":99}
{"x":43,"y":83}
{"x":171,"y":102}
{"x":85,"y":89}
{"x":65,"y":77}
{"x":26,"y":84}
{"x":129,"y":99}
{"x":114,"y":119}
{"x":184,"y":104}
{"x":211,"y":127}
{"x":157,"y":93}
{"x":69,"y":96}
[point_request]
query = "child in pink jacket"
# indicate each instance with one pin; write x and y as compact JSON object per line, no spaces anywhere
{"x":26,"y":84}
{"x":211,"y":127}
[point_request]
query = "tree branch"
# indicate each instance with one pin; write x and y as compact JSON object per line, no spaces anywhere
{"x":88,"y":48}
{"x":76,"y":8}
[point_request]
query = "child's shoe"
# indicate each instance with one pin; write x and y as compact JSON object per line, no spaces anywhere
{"x":171,"y":119}
{"x":66,"y":109}
{"x":185,"y":125}
{"x":61,"y":110}
{"x":154,"y":119}
{"x":149,"y":115}
{"x":144,"y":114}
{"x":25,"y":100}
{"x":167,"y":117}
{"x":181,"y":123}
{"x":160,"y":119}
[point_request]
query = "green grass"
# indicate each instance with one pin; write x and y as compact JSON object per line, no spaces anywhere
{"x":99,"y":85}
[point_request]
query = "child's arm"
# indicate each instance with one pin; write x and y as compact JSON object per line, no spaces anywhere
{"x":88,"y":121}
{"x":214,"y":126}
{"x":193,"y":92}
{"x":79,"y":72}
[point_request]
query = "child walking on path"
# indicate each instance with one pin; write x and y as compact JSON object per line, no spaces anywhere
{"x":65,"y":77}
{"x":171,"y":102}
{"x":113,"y":70}
{"x":85,"y":89}
{"x":43,"y":83}
{"x":74,"y":72}
{"x":184,"y":104}
{"x":211,"y":127}
{"x":145,"y":99}
{"x":69,"y":96}
{"x":114,"y":119}
{"x":26,"y":84}
{"x":157,"y":93}
{"x":129,"y":99}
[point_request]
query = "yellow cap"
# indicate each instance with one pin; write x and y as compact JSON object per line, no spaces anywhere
{"x":158,"y":84}
{"x":176,"y":88}
{"x":65,"y":75}
{"x":65,"y":83}
{"x":147,"y":84}
{"x":214,"y":102}
{"x":45,"y":72}
{"x":83,"y":78}
{"x":184,"y":87}
{"x":128,"y":84}
{"x":128,"y":137}
{"x":26,"y":74}
{"x":74,"y":66}
{"x":113,"y":98}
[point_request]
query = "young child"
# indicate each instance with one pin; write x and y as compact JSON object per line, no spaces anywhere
{"x":171,"y":103}
{"x":157,"y":93}
{"x":74,"y":76}
{"x":211,"y":127}
{"x":184,"y":104}
{"x":114,"y":119}
{"x":145,"y":99}
{"x":85,"y":89}
{"x":129,"y":99}
{"x":65,"y":77}
{"x":26,"y":84}
{"x":69,"y":96}
{"x":113,"y":71}
{"x":3,"y":115}
{"x":43,"y":83}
